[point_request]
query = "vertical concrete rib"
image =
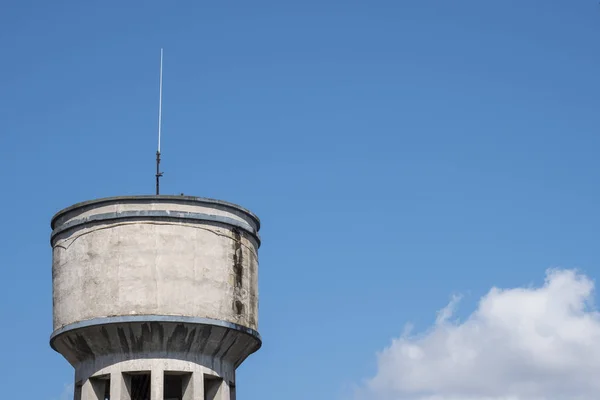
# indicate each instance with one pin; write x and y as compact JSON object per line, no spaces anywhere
{"x":195,"y":389}
{"x":224,"y":393}
{"x":89,"y":391}
{"x":118,"y":390}
{"x":157,"y":377}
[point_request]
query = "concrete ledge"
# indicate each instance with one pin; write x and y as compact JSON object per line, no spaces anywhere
{"x":158,"y":199}
{"x":137,"y":336}
{"x":154,"y":318}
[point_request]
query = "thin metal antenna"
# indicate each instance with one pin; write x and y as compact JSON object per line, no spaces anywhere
{"x":158,"y":173}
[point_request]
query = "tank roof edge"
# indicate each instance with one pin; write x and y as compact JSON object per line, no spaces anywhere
{"x":159,"y":198}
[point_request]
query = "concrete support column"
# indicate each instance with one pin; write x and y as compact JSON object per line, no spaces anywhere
{"x":87,"y":391}
{"x":157,"y":379}
{"x":91,"y":390}
{"x":218,"y":389}
{"x":224,"y":392}
{"x":118,"y":387}
{"x":193,"y":386}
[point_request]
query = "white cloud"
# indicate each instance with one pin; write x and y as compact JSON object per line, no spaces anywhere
{"x":538,"y":343}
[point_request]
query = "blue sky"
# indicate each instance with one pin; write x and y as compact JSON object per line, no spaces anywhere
{"x":397,"y":152}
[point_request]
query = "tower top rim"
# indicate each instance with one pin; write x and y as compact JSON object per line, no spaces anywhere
{"x":154,"y":198}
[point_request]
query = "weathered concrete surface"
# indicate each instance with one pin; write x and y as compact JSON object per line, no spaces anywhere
{"x":154,"y":265}
{"x":155,"y":283}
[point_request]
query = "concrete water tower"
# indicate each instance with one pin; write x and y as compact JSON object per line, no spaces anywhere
{"x":155,"y":297}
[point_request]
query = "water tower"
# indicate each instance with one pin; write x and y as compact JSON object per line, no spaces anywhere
{"x":155,"y":297}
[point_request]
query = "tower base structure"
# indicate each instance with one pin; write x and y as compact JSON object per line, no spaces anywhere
{"x":155,"y":297}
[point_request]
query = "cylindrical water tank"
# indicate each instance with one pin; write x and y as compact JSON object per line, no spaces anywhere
{"x":155,"y":277}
